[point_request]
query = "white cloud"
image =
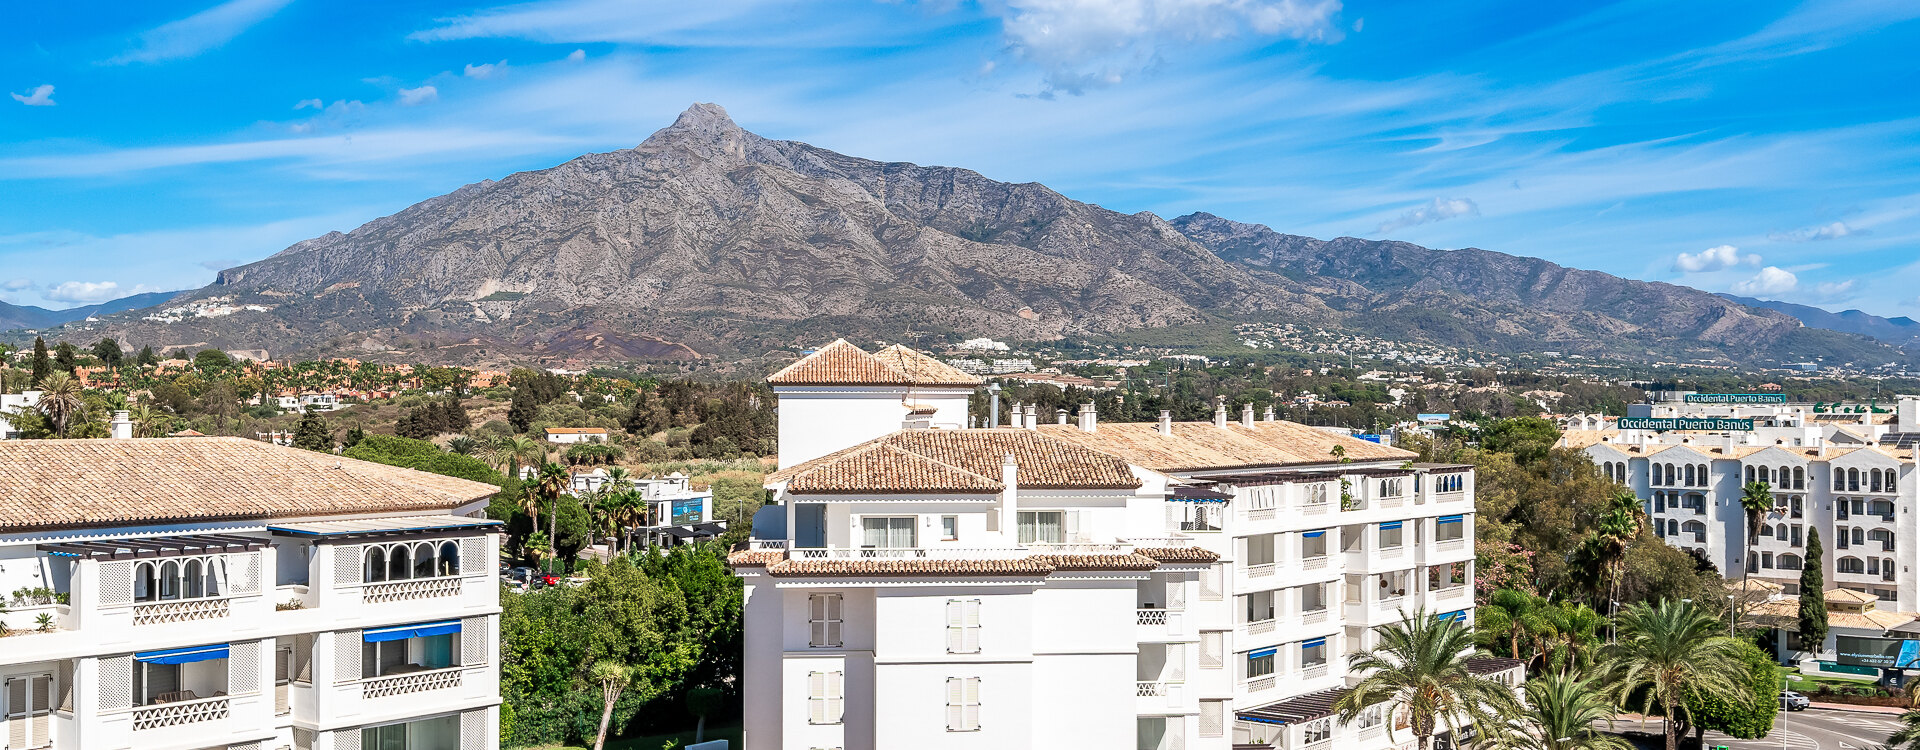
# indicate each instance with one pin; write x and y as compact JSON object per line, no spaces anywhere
{"x":16,"y":285}
{"x":200,"y":32}
{"x":1831,"y":291}
{"x":40,"y":96}
{"x":1770,"y":280}
{"x":576,"y":56}
{"x":313,"y":103}
{"x":1833,"y":231}
{"x":422,"y":95}
{"x":1083,"y":44}
{"x":84,"y":292}
{"x":1716,"y":258}
{"x":484,"y":71}
{"x":1438,"y":209}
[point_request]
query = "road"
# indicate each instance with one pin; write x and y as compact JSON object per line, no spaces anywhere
{"x":1812,"y":729}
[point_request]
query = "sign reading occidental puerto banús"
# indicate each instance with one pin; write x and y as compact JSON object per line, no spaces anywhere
{"x":1735,"y":398}
{"x":1662,"y":424}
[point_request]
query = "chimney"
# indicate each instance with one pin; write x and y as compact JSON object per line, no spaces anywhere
{"x":1033,"y":416}
{"x":1268,"y":416}
{"x":1220,"y":412}
{"x":1009,"y":496}
{"x":1166,"y":422}
{"x":1088,"y":420}
{"x":122,"y":426}
{"x":1013,"y":415}
{"x":1246,"y":415}
{"x":1059,"y":416}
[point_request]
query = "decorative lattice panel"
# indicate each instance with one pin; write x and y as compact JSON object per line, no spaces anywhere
{"x":116,"y":582}
{"x":303,"y":739}
{"x":303,"y":658}
{"x":475,"y":730}
{"x":116,"y":682}
{"x":473,"y":554}
{"x":346,"y":565}
{"x":243,"y":667}
{"x":245,"y":572}
{"x":346,"y":656}
{"x":245,"y":746}
{"x":63,"y":684}
{"x":344,"y":739}
{"x":476,"y":639}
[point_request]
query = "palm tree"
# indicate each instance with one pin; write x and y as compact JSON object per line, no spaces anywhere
{"x":613,"y":678}
{"x":518,"y":447}
{"x":60,"y":401}
{"x":1756,"y":498}
{"x":1618,"y":526}
{"x":1908,"y":736}
{"x":1561,"y":711}
{"x":553,"y":482}
{"x":1574,"y":638}
{"x":1517,"y":620}
{"x":1419,"y":670}
{"x":144,"y":419}
{"x":1665,"y":649}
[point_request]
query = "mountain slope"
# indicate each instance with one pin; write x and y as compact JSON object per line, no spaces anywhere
{"x":709,"y":241}
{"x":31,"y":316}
{"x":1900,"y":331}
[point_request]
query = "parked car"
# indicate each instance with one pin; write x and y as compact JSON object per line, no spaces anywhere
{"x":1793,"y":701}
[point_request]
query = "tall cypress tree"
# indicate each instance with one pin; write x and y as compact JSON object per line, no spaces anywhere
{"x":313,"y":433}
{"x":1813,"y":596}
{"x":42,"y":366}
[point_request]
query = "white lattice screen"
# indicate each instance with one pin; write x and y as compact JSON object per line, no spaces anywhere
{"x":346,"y":565}
{"x":245,"y":571}
{"x":116,"y":682}
{"x":476,"y":637}
{"x":243,"y":667}
{"x":476,"y":730}
{"x":344,"y":739}
{"x":303,"y":657}
{"x":63,"y":684}
{"x":346,"y":656}
{"x":116,"y":582}
{"x":473,"y":555}
{"x":303,"y":738}
{"x":245,"y":746}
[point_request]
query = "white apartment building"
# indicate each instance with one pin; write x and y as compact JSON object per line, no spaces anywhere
{"x":1851,"y":476}
{"x":1161,"y":586}
{"x":182,"y":593}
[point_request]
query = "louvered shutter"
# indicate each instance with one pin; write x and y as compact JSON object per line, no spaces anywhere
{"x":816,"y":697}
{"x":1071,"y":521}
{"x":956,"y":713}
{"x":956,"y":621}
{"x":836,"y":697}
{"x":16,"y":712}
{"x":833,"y":606}
{"x":817,"y":620}
{"x":970,"y":626}
{"x":42,"y":690}
{"x":1176,"y":591}
{"x":970,"y":708}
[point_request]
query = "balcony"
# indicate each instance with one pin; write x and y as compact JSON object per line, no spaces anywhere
{"x":412,"y":682}
{"x":410,"y":590}
{"x":1313,"y":671}
{"x":946,"y":553}
{"x":1316,"y":562}
{"x":181,"y":610}
{"x":1313,"y":617}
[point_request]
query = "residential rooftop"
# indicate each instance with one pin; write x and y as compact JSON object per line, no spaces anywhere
{"x":919,"y":461}
{"x":842,"y":363}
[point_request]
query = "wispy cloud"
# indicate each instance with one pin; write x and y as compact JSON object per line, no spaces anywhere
{"x":40,"y":96}
{"x":422,"y":95}
{"x":1833,"y":231}
{"x":309,"y":104}
{"x":199,"y":32}
{"x":1082,"y":45}
{"x":1438,"y":209}
{"x":1770,"y":280}
{"x":362,"y":147}
{"x":1716,"y":258}
{"x":85,"y":292}
{"x":16,"y":285}
{"x":484,"y":71}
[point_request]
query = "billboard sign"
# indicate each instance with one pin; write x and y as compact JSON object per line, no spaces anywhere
{"x":1735,"y":398}
{"x":688,"y":511}
{"x":1885,"y":653}
{"x":1662,"y":424}
{"x":1435,"y":418}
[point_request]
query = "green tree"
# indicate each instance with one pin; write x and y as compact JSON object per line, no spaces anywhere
{"x":108,"y":352}
{"x":1813,"y":595}
{"x":66,"y":358}
{"x":42,"y":366}
{"x":1561,"y":712}
{"x":312,"y":433}
{"x":1756,"y":500}
{"x":612,"y":677}
{"x":147,"y":358}
{"x":1513,"y":622}
{"x":1528,"y":438}
{"x":212,"y":359}
{"x":422,"y":455}
{"x":1750,"y":714}
{"x":1419,"y":670}
{"x":61,"y":401}
{"x":1907,"y":737}
{"x":1665,"y":651}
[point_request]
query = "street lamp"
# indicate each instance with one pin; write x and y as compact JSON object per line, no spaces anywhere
{"x":1731,"y":613}
{"x":1783,"y":708}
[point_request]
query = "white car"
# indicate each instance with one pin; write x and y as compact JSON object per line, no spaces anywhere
{"x":1793,"y":701}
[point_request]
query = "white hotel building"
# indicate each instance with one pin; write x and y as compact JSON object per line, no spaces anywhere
{"x":1849,"y":475}
{"x":184,"y":593}
{"x":1161,"y":585}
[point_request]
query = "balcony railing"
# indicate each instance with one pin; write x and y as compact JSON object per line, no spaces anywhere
{"x":177,"y":714}
{"x":406,"y":591}
{"x":766,"y":544}
{"x":1451,"y":592}
{"x":1314,"y":671}
{"x":1450,"y":545}
{"x":1260,"y":571}
{"x":180,"y":610}
{"x":1392,"y":552}
{"x":1313,"y":563}
{"x":1153,"y":617}
{"x":1258,"y":684}
{"x":411,"y":682}
{"x":1154,"y":689}
{"x":1262,"y":626}
{"x":1313,"y":617}
{"x":1392,"y":502}
{"x":1260,"y":514}
{"x":1315,"y":508}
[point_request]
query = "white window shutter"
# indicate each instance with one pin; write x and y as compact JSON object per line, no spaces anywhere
{"x":955,"y":713}
{"x":971,"y":713}
{"x":1072,"y":522}
{"x":970,"y":626}
{"x":836,"y":697}
{"x":816,"y":697}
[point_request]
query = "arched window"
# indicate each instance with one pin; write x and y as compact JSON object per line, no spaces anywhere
{"x":1873,"y":475}
{"x":1697,"y":529}
{"x":195,"y":579}
{"x":1689,"y":473}
{"x":376,"y":564}
{"x":1850,"y":565}
{"x":1859,"y":535}
{"x":1799,"y":477}
{"x":216,"y":576}
{"x":1788,"y":561}
{"x":398,"y":567}
{"x":1839,"y":480}
{"x":423,"y":560}
{"x":1749,"y":476}
{"x":169,"y":581}
{"x":1880,"y":508}
{"x":1703,"y":475}
{"x":1853,"y":480}
{"x":146,"y":587}
{"x":449,"y":559}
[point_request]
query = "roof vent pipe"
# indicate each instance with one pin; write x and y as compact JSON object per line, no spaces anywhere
{"x":1033,"y":416}
{"x":1220,"y":412}
{"x":122,"y":425}
{"x":1166,"y":422}
{"x":1268,"y":416}
{"x":1059,"y":416}
{"x":1246,"y":415}
{"x":1088,"y":420}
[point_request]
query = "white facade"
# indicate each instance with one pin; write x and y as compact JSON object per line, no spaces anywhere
{"x":816,"y":420}
{"x":14,"y":403}
{"x":571,"y":435}
{"x":917,"y":619}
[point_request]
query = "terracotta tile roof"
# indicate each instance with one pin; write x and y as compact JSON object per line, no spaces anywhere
{"x":1849,"y":595}
{"x":956,"y":461}
{"x":1177,"y":554}
{"x":1098,"y":562}
{"x":924,"y":370}
{"x":761,"y":557}
{"x":1491,"y":664}
{"x":78,"y":483}
{"x":1200,"y":445}
{"x":840,"y":363}
{"x":1025,"y":566}
{"x":1786,"y":613}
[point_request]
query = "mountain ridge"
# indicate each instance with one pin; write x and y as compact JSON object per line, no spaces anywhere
{"x":33,"y":316}
{"x":1900,"y":330}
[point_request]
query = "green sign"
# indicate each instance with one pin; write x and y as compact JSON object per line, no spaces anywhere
{"x":1876,"y":652}
{"x":1735,"y":398}
{"x":1662,"y":424}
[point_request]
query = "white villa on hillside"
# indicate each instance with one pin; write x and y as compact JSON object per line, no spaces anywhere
{"x":210,"y":592}
{"x":1162,"y":586}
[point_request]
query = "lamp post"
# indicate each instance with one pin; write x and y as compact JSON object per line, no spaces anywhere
{"x":1783,"y":708}
{"x":1731,"y":613}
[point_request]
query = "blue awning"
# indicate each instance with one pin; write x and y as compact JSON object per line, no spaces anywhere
{"x":1454,"y":616}
{"x":183,"y":655}
{"x":1262,"y":652}
{"x":1313,"y":643}
{"x":403,"y":632}
{"x":1389,"y":525}
{"x":1452,"y":519}
{"x":1312,"y":534}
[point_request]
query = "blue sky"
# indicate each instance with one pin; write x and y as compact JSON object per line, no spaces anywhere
{"x":1760,"y":147}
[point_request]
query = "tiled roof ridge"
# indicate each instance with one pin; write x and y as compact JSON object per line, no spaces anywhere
{"x":1178,"y":554}
{"x":941,"y":476}
{"x":777,"y":563}
{"x":842,"y":363}
{"x":923,"y":369}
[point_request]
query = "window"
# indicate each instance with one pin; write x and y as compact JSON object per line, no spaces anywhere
{"x":1390,"y":535}
{"x":1044,"y":526}
{"x":826,"y":697}
{"x":1210,"y":582}
{"x":949,"y":528}
{"x":1317,"y":731}
{"x":1766,"y":559}
{"x":1849,"y":565}
{"x":1449,"y":528}
{"x":404,"y":561}
{"x":887,"y":532}
{"x":378,"y":658}
{"x":1371,"y":717}
{"x":1213,"y":721}
{"x":1313,"y":597}
{"x":152,"y":682}
{"x":963,"y":626}
{"x":1392,"y":487}
{"x":1313,"y":653}
{"x":1259,"y":605}
{"x":28,"y":702}
{"x":1313,"y":544}
{"x":1316,"y":494}
{"x":963,"y":704}
{"x":823,"y":620}
{"x":443,"y":731}
{"x":1260,"y":549}
{"x":1212,"y":649}
{"x":183,"y":578}
{"x":1260,"y":663}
